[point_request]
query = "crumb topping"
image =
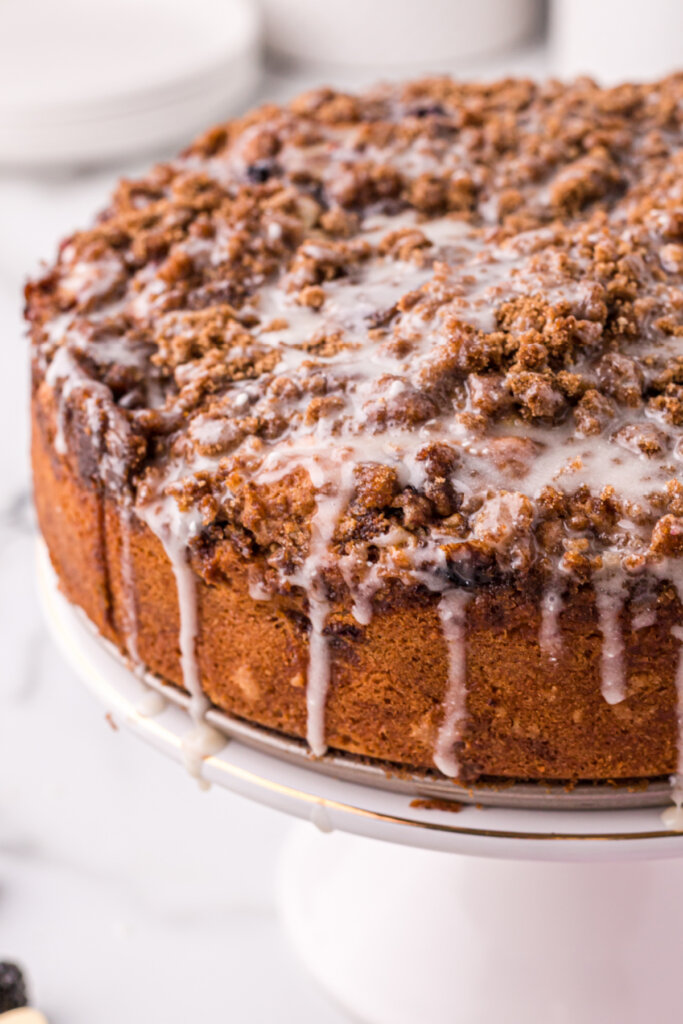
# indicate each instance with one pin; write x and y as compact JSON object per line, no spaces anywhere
{"x":435,"y":329}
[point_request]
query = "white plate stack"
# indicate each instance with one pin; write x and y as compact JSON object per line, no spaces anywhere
{"x":87,"y":81}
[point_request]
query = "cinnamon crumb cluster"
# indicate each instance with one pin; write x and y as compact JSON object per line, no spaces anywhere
{"x":472,"y":294}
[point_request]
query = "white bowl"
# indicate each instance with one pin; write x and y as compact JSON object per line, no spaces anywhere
{"x":393,"y":33}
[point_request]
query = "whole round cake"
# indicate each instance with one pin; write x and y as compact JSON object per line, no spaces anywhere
{"x":361,"y":421}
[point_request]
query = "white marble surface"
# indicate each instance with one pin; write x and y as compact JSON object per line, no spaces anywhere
{"x":127,"y":893}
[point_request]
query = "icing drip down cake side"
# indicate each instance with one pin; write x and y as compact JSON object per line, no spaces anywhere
{"x":361,"y":420}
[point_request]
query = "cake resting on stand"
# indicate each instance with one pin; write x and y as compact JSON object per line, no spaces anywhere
{"x":361,"y":421}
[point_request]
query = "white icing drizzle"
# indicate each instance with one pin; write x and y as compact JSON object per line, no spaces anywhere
{"x":320,"y":817}
{"x":128,"y":584}
{"x":309,"y":577}
{"x":452,"y":613}
{"x":175,"y":530}
{"x":88,"y":280}
{"x":644,"y":619}
{"x":187,"y":602}
{"x":550,"y":635}
{"x":65,"y":370}
{"x":610,"y":594}
{"x":318,"y":676}
{"x":672,"y":817}
{"x":199,"y":743}
{"x":151,"y":704}
{"x":363,"y":589}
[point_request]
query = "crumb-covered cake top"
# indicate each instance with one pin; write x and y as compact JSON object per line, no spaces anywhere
{"x":435,"y":330}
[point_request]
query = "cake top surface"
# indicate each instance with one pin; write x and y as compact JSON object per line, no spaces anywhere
{"x":435,"y":329}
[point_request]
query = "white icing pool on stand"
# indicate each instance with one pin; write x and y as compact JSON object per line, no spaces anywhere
{"x":562,"y":916}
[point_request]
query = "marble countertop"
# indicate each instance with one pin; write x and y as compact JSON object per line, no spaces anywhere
{"x":126,"y":893}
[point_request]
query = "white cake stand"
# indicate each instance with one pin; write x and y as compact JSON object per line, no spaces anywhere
{"x":492,"y":915}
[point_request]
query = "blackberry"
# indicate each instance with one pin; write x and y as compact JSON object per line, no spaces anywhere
{"x":12,"y":987}
{"x":428,"y":110}
{"x":261,"y":171}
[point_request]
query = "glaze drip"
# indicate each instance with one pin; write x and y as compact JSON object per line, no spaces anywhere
{"x":452,"y":613}
{"x":128,"y":584}
{"x":186,"y":586}
{"x":201,"y":742}
{"x":310,"y":578}
{"x":550,"y":635}
{"x":610,"y":595}
{"x":175,"y":531}
{"x":319,"y":669}
{"x":151,"y":705}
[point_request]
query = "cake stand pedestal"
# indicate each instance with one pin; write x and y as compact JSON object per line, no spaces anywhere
{"x":400,"y":936}
{"x":409,"y":914}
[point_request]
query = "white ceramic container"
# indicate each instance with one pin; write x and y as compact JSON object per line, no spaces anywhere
{"x":395,"y":33}
{"x":616,"y":40}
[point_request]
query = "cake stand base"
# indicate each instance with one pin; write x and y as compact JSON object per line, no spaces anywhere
{"x":403,"y":936}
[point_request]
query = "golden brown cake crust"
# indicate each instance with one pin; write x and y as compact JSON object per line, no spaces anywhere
{"x":363,"y":419}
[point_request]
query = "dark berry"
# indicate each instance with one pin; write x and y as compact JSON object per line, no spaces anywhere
{"x":260,"y":171}
{"x":429,"y":110}
{"x":12,"y":987}
{"x":468,"y":573}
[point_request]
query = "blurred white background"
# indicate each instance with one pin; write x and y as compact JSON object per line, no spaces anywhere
{"x":127,"y":893}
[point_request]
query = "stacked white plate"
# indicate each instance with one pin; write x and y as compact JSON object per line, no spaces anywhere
{"x":87,"y":81}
